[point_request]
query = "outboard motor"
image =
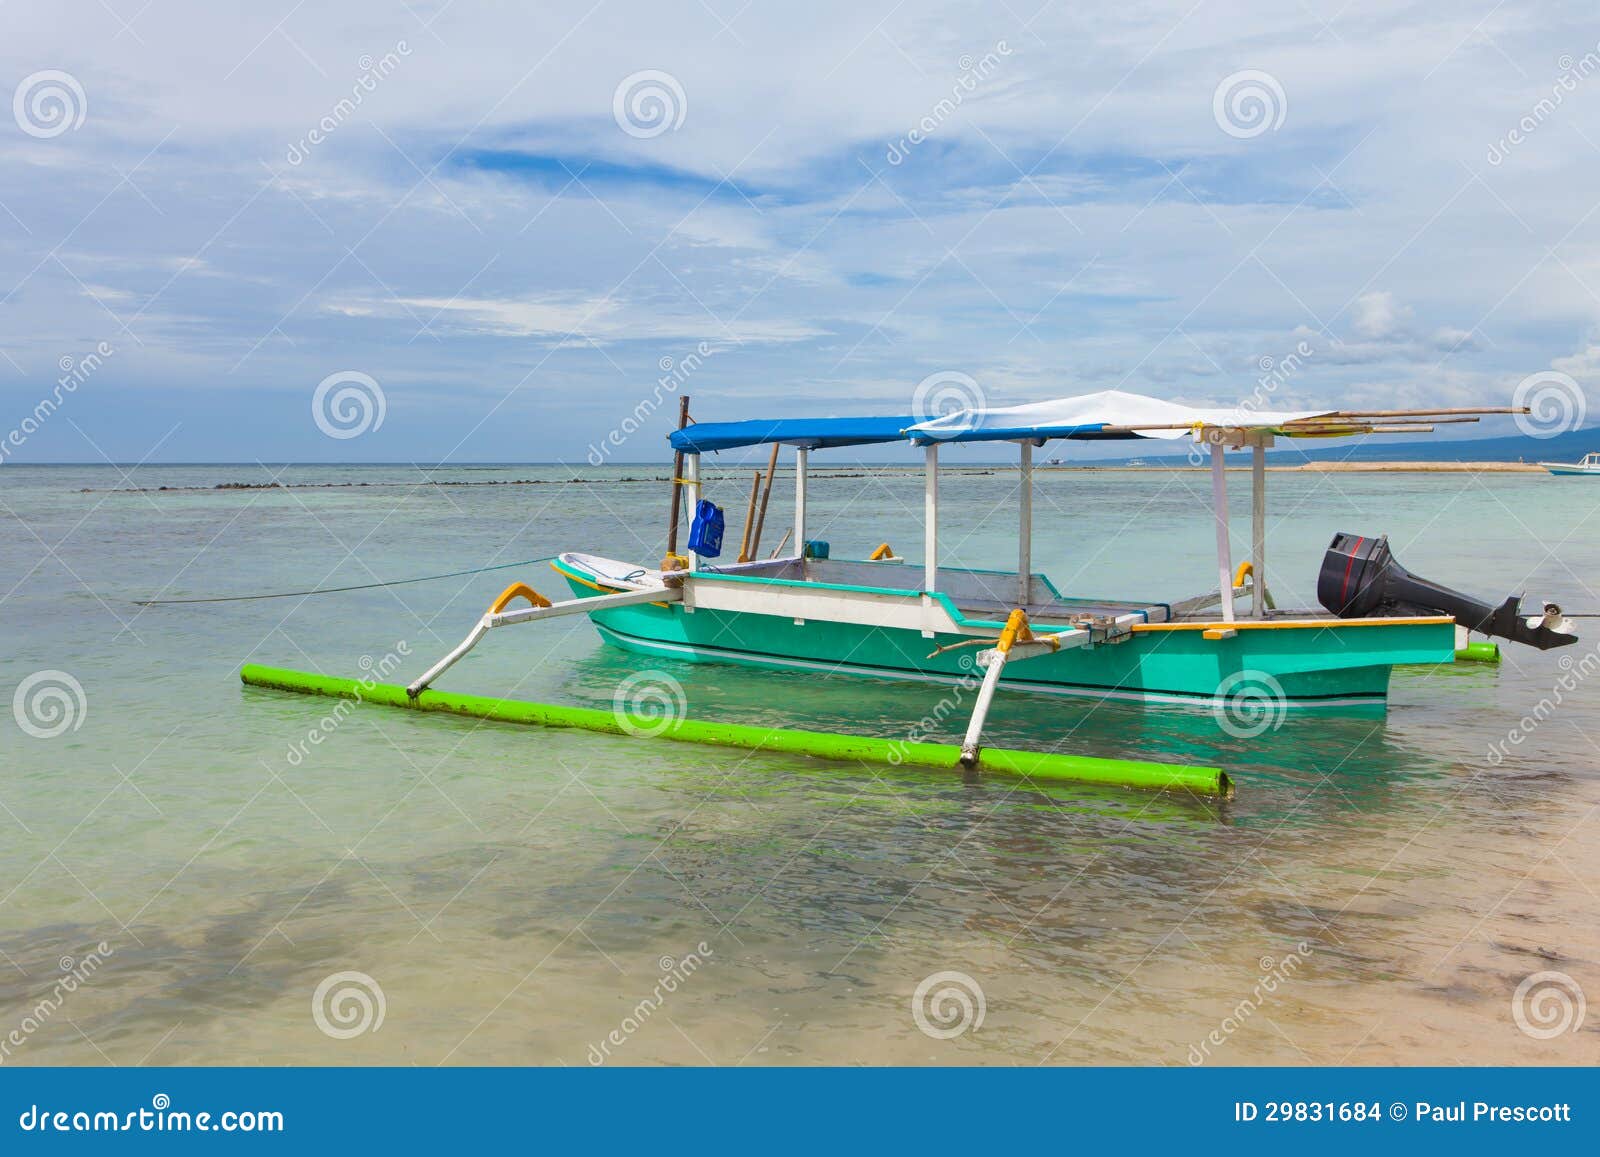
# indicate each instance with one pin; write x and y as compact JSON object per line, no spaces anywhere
{"x":1361,"y":579}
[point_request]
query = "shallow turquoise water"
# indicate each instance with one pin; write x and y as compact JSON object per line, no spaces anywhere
{"x":513,"y":892}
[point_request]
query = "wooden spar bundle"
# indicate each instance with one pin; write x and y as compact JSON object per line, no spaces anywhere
{"x":1342,"y":419}
{"x":750,"y":518}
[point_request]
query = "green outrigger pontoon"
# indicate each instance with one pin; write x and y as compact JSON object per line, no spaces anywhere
{"x":1015,"y":629}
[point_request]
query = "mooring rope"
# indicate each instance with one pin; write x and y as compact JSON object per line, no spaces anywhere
{"x":335,"y":590}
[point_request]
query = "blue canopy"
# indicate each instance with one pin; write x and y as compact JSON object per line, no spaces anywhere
{"x":1107,"y":414}
{"x":806,"y":433}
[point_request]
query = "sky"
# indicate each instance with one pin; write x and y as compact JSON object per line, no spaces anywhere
{"x":457,"y":231}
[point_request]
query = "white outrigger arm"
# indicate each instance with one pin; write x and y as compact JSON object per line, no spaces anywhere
{"x":540,"y":608}
{"x":1017,"y":641}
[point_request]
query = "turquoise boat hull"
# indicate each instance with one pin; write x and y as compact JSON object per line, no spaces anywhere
{"x":1326,"y":665}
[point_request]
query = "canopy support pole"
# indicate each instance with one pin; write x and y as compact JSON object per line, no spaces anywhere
{"x":1219,"y":500}
{"x":691,"y":485}
{"x":677,"y":486}
{"x":1258,"y":528}
{"x":801,"y":454}
{"x":930,"y":520}
{"x":1025,"y":529}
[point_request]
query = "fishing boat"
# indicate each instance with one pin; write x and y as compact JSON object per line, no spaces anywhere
{"x":1588,"y":464}
{"x":878,"y":615}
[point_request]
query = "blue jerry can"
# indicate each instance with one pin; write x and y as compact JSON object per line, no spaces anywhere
{"x":705,"y":532}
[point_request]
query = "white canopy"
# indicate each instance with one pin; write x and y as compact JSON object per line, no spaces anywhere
{"x":1090,"y":415}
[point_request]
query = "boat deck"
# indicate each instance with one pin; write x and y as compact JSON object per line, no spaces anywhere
{"x":981,"y":594}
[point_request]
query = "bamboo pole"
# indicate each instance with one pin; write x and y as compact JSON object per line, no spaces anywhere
{"x":677,"y":486}
{"x":750,"y":517}
{"x":766,"y":493}
{"x":1333,"y":416}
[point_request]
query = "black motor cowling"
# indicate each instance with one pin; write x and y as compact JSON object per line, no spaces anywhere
{"x":1361,"y":579}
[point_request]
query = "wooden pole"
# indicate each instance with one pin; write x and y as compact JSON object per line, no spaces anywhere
{"x":750,"y":517}
{"x":677,"y":486}
{"x":930,"y":519}
{"x":1334,"y":417}
{"x":766,"y":493}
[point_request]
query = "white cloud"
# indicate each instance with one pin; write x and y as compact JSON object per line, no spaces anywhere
{"x":1038,"y":241}
{"x":575,"y":321}
{"x":1583,"y":365}
{"x":1379,"y":316}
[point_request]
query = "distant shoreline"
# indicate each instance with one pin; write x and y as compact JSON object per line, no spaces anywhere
{"x":857,"y":471}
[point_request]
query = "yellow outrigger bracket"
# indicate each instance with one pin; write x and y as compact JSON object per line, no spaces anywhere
{"x":539,"y":608}
{"x":884,"y":551}
{"x":1017,"y":631}
{"x":515,"y":591}
{"x":1248,"y":568}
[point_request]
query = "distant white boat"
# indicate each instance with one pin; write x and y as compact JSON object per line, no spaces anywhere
{"x":1589,"y":465}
